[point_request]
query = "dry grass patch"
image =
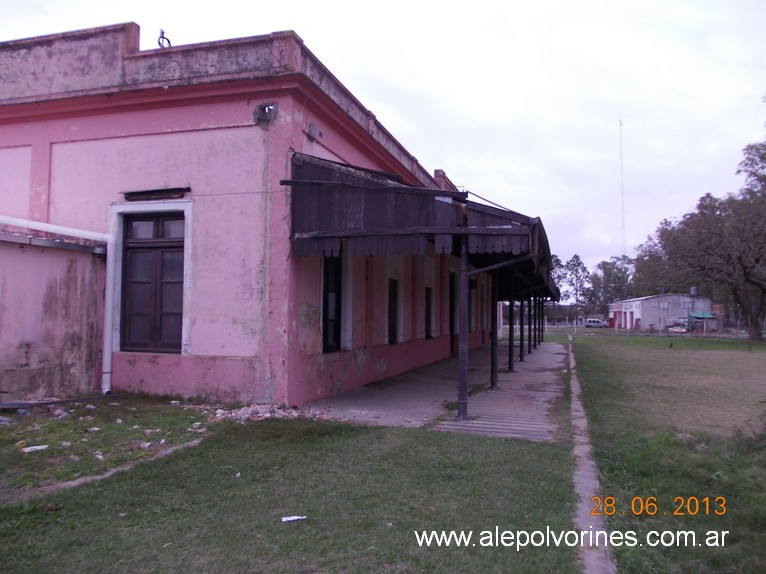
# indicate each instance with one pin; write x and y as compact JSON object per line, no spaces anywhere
{"x":714,"y":392}
{"x":665,"y":423}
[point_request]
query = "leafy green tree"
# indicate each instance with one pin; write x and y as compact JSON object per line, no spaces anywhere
{"x":654,"y":272}
{"x":578,"y":280}
{"x":559,"y":274}
{"x":722,"y":244}
{"x":611,"y":281}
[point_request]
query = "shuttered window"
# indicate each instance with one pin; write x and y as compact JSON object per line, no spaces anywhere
{"x":393,"y":311}
{"x":152,"y":290}
{"x":429,"y":313}
{"x":331,"y":304}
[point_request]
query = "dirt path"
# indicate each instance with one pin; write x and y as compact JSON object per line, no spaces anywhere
{"x":23,"y":496}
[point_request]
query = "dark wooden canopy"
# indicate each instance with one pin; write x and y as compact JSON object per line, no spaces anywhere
{"x":375,"y":214}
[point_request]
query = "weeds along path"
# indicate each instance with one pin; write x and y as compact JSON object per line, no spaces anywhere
{"x":593,"y":559}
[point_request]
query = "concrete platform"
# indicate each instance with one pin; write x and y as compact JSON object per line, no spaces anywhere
{"x":520,"y":406}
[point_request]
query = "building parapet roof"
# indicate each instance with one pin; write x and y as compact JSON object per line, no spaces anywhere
{"x":106,"y":61}
{"x":656,"y":296}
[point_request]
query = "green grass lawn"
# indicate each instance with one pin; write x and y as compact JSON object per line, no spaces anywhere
{"x":217,"y":507}
{"x":666,"y":422}
{"x":679,"y":424}
{"x":83,"y":439}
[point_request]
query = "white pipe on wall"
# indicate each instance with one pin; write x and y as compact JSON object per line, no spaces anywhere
{"x":106,"y":355}
{"x":106,"y":360}
{"x":52,"y":228}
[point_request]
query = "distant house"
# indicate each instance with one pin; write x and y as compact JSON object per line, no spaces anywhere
{"x":659,"y":312}
{"x":226,"y":220}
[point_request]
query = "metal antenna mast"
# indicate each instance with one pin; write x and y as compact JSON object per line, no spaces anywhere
{"x":622,"y":191}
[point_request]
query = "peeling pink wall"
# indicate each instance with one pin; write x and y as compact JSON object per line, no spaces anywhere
{"x":240,"y":220}
{"x":370,"y":357}
{"x":16,"y":169}
{"x":160,"y":119}
{"x":225,"y":379}
{"x":51,"y":313}
{"x":254,"y":311}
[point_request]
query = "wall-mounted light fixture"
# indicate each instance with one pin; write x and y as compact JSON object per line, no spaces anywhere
{"x":312,"y":132}
{"x":265,"y":113}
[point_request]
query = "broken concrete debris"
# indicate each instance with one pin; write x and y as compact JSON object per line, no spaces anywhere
{"x":265,"y":412}
{"x":36,"y":448}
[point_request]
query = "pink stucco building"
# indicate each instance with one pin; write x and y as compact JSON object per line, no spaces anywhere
{"x":226,"y":220}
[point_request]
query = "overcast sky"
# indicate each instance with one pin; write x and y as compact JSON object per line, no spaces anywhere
{"x":518,"y":101}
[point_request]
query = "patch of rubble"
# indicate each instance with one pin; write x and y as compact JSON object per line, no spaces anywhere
{"x":265,"y":412}
{"x":213,"y":412}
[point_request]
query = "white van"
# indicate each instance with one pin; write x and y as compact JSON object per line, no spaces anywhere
{"x":596,"y":323}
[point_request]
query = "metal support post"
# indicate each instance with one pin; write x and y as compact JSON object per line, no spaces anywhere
{"x":521,"y":330}
{"x":529,"y":325}
{"x":493,"y":335}
{"x":511,"y":304}
{"x":462,"y":382}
